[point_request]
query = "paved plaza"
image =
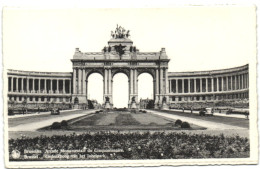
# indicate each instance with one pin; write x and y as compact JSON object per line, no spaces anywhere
{"x":153,"y":120}
{"x":37,"y":121}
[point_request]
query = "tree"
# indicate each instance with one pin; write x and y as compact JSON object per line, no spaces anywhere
{"x":63,"y":105}
{"x":150,"y":104}
{"x":90,"y":104}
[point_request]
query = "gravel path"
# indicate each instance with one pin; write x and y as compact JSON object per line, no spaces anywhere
{"x":241,"y":116}
{"x":208,"y":124}
{"x":40,"y":123}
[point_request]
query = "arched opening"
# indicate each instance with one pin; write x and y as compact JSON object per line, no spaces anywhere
{"x":120,"y":90}
{"x":145,"y":91}
{"x":95,"y":87}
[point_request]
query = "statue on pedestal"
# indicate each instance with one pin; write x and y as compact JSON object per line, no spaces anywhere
{"x":133,"y":103}
{"x":120,"y":33}
{"x":164,"y":103}
{"x":107,"y":103}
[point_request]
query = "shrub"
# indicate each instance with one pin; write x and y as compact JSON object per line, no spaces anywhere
{"x":56,"y":125}
{"x":10,"y":112}
{"x":178,"y":122}
{"x":64,"y":123}
{"x":185,"y":125}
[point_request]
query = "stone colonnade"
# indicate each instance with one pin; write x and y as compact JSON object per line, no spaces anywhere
{"x":39,"y":89}
{"x":180,"y":86}
{"x":39,"y":85}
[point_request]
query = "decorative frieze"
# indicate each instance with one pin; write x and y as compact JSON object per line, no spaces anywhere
{"x":146,"y":64}
{"x":120,"y":64}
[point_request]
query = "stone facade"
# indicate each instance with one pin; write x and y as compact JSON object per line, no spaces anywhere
{"x":121,"y":56}
{"x":212,"y":85}
{"x":39,"y":87}
{"x":110,"y":62}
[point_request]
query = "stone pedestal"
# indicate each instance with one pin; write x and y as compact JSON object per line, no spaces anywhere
{"x":75,"y":106}
{"x":133,"y":105}
{"x":79,"y":100}
{"x":107,"y":102}
{"x":108,"y":105}
{"x":164,"y":106}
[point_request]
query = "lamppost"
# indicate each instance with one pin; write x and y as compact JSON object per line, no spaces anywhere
{"x":47,"y":105}
{"x":24,"y":105}
{"x":63,"y":105}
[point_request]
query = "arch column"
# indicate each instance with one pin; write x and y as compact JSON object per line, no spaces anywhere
{"x":106,"y":83}
{"x":74,"y":82}
{"x":79,"y":81}
{"x":131,"y":86}
{"x":84,"y":81}
{"x":78,"y":88}
{"x":157,"y":86}
{"x":164,"y":88}
{"x":110,"y":86}
{"x":87,"y":89}
{"x":136,"y":85}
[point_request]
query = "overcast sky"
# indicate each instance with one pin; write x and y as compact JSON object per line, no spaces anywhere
{"x":195,"y":38}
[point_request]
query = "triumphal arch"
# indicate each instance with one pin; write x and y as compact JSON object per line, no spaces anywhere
{"x":121,"y":56}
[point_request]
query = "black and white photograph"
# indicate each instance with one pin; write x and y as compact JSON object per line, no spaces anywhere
{"x":87,"y":87}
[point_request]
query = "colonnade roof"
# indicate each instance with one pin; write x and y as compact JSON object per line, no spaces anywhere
{"x":209,"y":72}
{"x":39,"y":74}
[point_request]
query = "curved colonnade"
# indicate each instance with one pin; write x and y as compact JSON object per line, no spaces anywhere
{"x":209,"y":86}
{"x":184,"y":87}
{"x":39,"y":87}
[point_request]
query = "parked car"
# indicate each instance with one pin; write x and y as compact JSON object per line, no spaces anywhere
{"x":206,"y":111}
{"x":55,"y":111}
{"x":238,"y":111}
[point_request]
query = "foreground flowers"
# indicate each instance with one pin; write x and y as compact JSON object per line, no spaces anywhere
{"x":109,"y":145}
